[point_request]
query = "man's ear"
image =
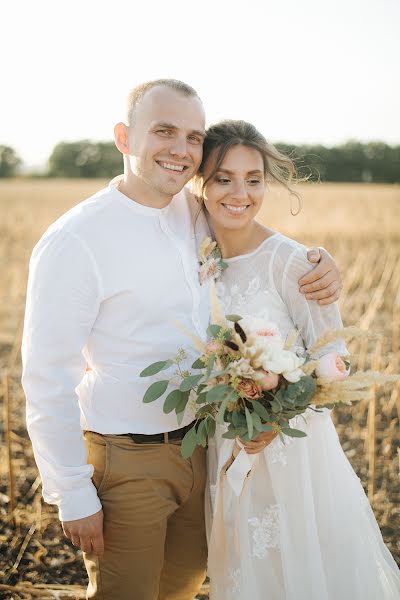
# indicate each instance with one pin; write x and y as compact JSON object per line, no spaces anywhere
{"x":121,"y":138}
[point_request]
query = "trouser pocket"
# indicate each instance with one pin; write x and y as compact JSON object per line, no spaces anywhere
{"x":98,"y":454}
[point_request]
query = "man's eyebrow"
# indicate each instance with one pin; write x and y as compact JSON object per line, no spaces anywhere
{"x":200,"y":132}
{"x":255,"y":172}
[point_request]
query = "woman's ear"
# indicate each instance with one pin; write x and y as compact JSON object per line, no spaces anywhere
{"x":121,"y":138}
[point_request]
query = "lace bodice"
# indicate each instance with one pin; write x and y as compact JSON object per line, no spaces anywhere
{"x":264,"y":283}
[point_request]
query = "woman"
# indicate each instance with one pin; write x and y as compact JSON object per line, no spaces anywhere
{"x":301,"y":528}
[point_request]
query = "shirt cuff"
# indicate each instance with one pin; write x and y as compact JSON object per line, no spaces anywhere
{"x":80,"y":503}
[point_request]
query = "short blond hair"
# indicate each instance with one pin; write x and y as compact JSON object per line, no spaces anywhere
{"x":137,"y":93}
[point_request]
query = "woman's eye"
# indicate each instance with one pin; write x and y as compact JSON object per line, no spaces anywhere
{"x":222,"y":180}
{"x":254,"y":181}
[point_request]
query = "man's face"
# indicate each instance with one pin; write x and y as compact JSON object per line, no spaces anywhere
{"x":166,"y":139}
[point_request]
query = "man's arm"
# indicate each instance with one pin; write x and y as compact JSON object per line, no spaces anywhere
{"x":63,"y":299}
{"x":323,"y":283}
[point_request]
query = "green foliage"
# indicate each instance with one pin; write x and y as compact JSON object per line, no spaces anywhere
{"x":189,"y":382}
{"x":172,"y":401}
{"x":155,"y":390}
{"x":85,"y":158}
{"x":156,"y":367}
{"x":189,"y":443}
{"x":198,"y":364}
{"x":291,"y":432}
{"x":233,"y":318}
{"x":372,"y":162}
{"x":9,"y":161}
{"x":213,"y":330}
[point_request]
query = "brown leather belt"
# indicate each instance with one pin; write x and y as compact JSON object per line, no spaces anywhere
{"x":160,"y":438}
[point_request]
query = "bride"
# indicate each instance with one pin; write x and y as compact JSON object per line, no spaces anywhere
{"x":299,"y":527}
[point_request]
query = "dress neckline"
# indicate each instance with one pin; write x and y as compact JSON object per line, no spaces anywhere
{"x":249,"y":254}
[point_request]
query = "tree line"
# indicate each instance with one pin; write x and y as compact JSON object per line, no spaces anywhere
{"x":354,"y":161}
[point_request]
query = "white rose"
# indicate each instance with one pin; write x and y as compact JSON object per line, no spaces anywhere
{"x":286,"y":363}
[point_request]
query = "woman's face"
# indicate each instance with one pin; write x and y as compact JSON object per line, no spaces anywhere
{"x":234,"y":195}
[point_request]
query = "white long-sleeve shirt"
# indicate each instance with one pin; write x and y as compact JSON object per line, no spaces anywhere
{"x":107,"y":283}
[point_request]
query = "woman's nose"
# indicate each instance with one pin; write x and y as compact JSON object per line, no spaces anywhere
{"x":240,"y":191}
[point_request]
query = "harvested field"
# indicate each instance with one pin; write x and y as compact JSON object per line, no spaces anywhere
{"x":359,"y":224}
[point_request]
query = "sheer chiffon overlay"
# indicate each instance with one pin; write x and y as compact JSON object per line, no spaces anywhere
{"x":302,"y":527}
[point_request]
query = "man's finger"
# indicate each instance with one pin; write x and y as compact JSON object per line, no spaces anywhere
{"x":313,"y":275}
{"x":322,"y":283}
{"x":330,"y":299}
{"x":313,"y":254}
{"x":98,"y":545}
{"x":324,"y":293}
{"x":75,"y":539}
{"x":86,"y":545}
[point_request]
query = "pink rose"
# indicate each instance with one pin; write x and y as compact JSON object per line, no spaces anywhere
{"x":269,"y":381}
{"x":249,"y":389}
{"x":331,"y":366}
{"x":213,"y":347}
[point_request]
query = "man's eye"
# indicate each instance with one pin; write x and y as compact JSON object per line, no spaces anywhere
{"x":195,"y":139}
{"x":163,"y":131}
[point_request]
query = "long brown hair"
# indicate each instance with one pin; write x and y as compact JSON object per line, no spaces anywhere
{"x":226,"y":134}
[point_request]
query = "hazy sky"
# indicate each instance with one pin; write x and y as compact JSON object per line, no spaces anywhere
{"x":302,"y":71}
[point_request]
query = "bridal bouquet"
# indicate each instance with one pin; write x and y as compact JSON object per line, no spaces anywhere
{"x":248,"y":378}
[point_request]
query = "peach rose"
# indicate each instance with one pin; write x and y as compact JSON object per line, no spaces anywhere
{"x":331,"y":366}
{"x":212,"y":347}
{"x":248,"y":388}
{"x":267,"y":381}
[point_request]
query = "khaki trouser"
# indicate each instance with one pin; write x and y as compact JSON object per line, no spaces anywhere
{"x":154,"y":530}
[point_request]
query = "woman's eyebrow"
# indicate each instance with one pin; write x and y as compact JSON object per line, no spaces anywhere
{"x":254,"y":172}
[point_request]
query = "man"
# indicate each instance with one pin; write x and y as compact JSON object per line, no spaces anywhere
{"x":107,"y":282}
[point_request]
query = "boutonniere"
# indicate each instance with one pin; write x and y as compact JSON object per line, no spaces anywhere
{"x":210,"y":260}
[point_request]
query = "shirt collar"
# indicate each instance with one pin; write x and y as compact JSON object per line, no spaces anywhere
{"x":138,"y":208}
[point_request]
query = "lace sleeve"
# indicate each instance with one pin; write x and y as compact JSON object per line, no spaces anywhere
{"x":310,"y":318}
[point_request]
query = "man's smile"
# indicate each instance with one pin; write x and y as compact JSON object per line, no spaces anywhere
{"x":168,"y":166}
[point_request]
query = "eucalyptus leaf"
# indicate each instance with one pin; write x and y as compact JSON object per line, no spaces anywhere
{"x":222,"y":409}
{"x":210,"y":365}
{"x":231,"y":434}
{"x":213,"y":330}
{"x":256,"y":421}
{"x":202,"y":433}
{"x":156,"y":367}
{"x":249,"y":422}
{"x":211,"y":427}
{"x":261,"y":410}
{"x":266,"y":427}
{"x":189,"y":443}
{"x":181,"y":405}
{"x":198,"y":364}
{"x":293,"y":432}
{"x":172,"y":401}
{"x":233,"y":318}
{"x":217,"y":393}
{"x":155,"y":391}
{"x":189,"y":382}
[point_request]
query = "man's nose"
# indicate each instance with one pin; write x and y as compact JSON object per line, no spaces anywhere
{"x":179,"y":147}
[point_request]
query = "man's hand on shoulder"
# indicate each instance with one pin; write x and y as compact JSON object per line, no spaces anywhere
{"x":86,"y":533}
{"x":323,"y":283}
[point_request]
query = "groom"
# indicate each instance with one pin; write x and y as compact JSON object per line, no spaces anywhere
{"x":107,"y":280}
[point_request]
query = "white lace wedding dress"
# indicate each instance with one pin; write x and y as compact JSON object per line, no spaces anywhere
{"x":302,"y":527}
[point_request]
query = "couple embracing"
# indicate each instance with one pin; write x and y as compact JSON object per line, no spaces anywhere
{"x":108,"y":281}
